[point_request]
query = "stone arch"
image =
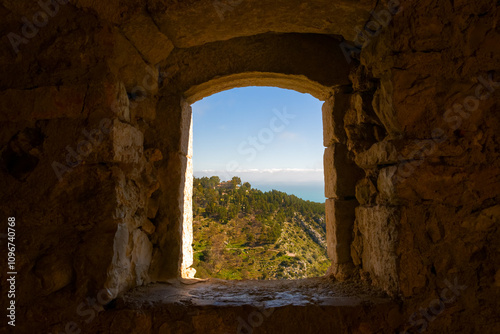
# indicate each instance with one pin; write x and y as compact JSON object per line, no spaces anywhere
{"x":308,"y":63}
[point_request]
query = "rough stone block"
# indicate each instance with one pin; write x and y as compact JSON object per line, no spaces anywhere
{"x":365,"y":191}
{"x":357,"y":106}
{"x":128,"y":143}
{"x":153,"y":205}
{"x":333,"y":111}
{"x":130,"y":197}
{"x":381,"y":153}
{"x":339,"y":229}
{"x":144,"y":109}
{"x":153,"y":155}
{"x":375,"y":242}
{"x":186,"y":196}
{"x":55,"y":272}
{"x":111,"y":141}
{"x":186,"y":130}
{"x":95,"y":188}
{"x":173,"y":207}
{"x":16,"y":104}
{"x":57,"y":102}
{"x":121,"y":104}
{"x":148,"y":227}
{"x":151,"y":43}
{"x":119,"y":272}
{"x":142,"y":252}
{"x":386,"y":184}
{"x":94,"y":258}
{"x":110,"y":10}
{"x":362,"y":109}
{"x":42,"y":103}
{"x":171,"y":118}
{"x":341,"y":174}
{"x":383,"y":107}
{"x":135,"y":321}
{"x":139,"y":77}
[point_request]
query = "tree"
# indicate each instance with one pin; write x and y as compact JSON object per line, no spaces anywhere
{"x":214,"y":181}
{"x":235,"y":181}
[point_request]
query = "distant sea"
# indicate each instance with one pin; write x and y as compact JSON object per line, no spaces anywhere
{"x":310,"y":192}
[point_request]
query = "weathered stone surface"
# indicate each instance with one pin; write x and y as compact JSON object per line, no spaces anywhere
{"x":167,"y":257}
{"x":144,"y":109}
{"x":383,"y":107}
{"x":484,"y":221}
{"x":148,"y":227}
{"x":127,"y":143}
{"x":139,"y":77}
{"x":333,"y":119}
{"x":386,"y":184}
{"x":130,"y":197}
{"x":141,"y":256}
{"x":366,"y":192}
{"x":362,"y":126}
{"x":153,"y":205}
{"x":23,"y":102}
{"x":42,"y":103}
{"x":153,"y":154}
{"x":186,"y":130}
{"x":131,"y":259}
{"x":121,"y":104}
{"x":136,"y":322}
{"x":381,"y":153}
{"x":120,"y":270}
{"x":360,"y":77}
{"x":375,"y":243}
{"x":362,"y":108}
{"x":112,"y":11}
{"x":205,"y":21}
{"x":447,"y":185}
{"x":109,"y":141}
{"x":227,"y":304}
{"x":54,"y":272}
{"x":341,"y":174}
{"x":186,"y":196}
{"x":151,"y":43}
{"x":339,"y":227}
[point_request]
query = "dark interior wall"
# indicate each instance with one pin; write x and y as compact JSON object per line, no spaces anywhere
{"x":74,"y":170}
{"x":432,"y":185}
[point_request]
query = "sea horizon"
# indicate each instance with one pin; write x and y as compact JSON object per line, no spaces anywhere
{"x":305,"y":184}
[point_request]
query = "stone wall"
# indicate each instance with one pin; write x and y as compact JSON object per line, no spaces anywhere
{"x":423,"y":125}
{"x":77,"y":173}
{"x":173,"y":213}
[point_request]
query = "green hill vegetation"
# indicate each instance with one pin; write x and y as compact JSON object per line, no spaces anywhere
{"x":244,"y":233}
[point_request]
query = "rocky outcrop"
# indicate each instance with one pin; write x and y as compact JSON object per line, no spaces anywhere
{"x":315,"y":235}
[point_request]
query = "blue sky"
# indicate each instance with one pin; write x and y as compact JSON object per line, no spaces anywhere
{"x":262,"y":134}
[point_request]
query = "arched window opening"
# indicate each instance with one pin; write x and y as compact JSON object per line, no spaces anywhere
{"x":258,"y":198}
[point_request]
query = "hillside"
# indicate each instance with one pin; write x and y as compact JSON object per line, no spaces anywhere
{"x":244,"y":233}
